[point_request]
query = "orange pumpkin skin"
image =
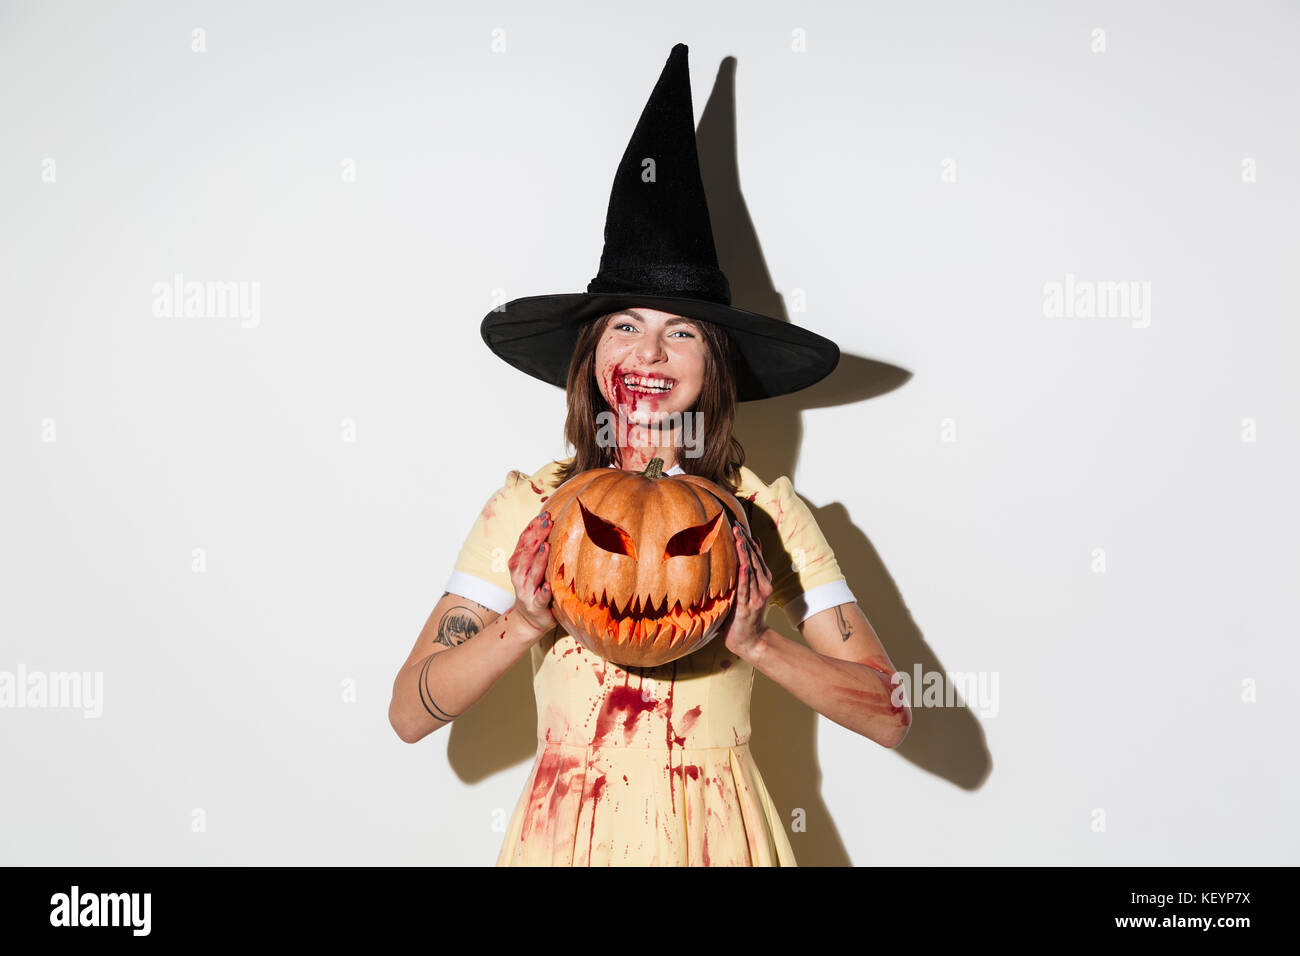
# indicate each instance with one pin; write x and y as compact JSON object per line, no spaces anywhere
{"x":643,"y":566}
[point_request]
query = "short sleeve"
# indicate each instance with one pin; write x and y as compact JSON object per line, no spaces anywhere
{"x":481,"y":572}
{"x":806,"y":578}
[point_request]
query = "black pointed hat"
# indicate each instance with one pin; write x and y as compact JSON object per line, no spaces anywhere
{"x":659,"y":254}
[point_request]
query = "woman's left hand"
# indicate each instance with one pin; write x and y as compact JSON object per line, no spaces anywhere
{"x":753,"y":588}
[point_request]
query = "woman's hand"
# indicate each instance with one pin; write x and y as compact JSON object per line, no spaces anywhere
{"x":753,"y":588}
{"x":528,"y":575}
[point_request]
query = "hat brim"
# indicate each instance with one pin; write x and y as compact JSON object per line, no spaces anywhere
{"x":537,"y":334}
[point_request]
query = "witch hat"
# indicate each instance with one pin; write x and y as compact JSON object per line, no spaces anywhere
{"x":659,"y":253}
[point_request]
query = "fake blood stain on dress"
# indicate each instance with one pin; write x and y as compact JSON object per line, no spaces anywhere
{"x":688,"y":721}
{"x":554,"y":773}
{"x":627,"y":701}
{"x":626,"y":704}
{"x":597,"y":789}
{"x":571,"y":780}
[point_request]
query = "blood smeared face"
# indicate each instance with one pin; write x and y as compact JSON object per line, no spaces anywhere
{"x":650,"y":364}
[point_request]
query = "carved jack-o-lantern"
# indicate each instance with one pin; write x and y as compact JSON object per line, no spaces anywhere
{"x":643,"y":566}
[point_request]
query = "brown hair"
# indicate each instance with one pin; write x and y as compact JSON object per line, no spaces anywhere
{"x":721,"y":453}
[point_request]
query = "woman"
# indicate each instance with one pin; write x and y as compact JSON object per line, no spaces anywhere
{"x":648,"y":766}
{"x":651,"y":765}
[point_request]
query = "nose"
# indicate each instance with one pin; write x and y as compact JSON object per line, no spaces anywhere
{"x":651,"y":351}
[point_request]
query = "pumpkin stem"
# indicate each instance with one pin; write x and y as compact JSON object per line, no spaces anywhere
{"x":655,"y":469}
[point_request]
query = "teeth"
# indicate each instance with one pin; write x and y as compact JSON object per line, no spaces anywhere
{"x":659,"y":383}
{"x":644,"y":622}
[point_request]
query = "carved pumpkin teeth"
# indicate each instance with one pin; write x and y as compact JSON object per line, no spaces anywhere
{"x":642,"y":623}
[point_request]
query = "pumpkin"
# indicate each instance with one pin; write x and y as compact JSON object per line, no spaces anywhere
{"x":643,"y":567}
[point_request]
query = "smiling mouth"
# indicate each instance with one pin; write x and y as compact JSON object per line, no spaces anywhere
{"x":648,"y":384}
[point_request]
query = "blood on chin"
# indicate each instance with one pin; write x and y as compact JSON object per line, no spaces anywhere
{"x":641,"y":416}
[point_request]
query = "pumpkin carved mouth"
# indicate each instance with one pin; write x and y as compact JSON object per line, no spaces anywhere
{"x":639,"y":625}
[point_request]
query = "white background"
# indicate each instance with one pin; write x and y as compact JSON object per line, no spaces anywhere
{"x":971,"y":461}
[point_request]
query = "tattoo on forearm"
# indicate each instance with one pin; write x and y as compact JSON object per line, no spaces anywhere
{"x":427,"y":699}
{"x":845,"y":627}
{"x":460,"y":623}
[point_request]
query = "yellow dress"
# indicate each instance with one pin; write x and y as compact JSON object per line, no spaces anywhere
{"x":647,"y":766}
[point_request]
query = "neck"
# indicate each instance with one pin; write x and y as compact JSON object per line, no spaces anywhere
{"x":635,"y":455}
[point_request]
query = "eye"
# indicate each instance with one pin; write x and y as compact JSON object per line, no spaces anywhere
{"x":695,"y":540}
{"x":607,"y":535}
{"x":626,"y":325}
{"x":685,"y":333}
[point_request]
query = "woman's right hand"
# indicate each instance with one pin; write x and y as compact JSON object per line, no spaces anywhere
{"x":528,"y":574}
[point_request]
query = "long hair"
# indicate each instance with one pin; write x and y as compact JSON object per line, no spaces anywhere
{"x":721,"y":454}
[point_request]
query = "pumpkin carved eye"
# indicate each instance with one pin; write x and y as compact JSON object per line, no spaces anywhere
{"x":694,"y":540}
{"x":605,"y":534}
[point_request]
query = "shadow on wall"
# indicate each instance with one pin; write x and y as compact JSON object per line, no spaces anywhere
{"x":501,"y":730}
{"x":947,"y":742}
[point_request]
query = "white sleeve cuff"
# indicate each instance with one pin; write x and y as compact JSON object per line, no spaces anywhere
{"x":831,"y":594}
{"x":476,"y":589}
